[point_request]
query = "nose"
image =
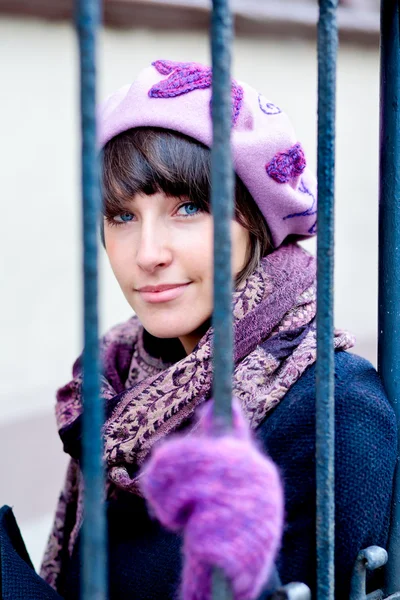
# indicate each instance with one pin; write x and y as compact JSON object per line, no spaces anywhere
{"x":153,"y":251}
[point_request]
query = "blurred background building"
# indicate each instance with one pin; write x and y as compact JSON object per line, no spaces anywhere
{"x":275,"y":51}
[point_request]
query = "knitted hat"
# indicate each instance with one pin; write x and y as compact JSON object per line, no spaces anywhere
{"x":266,"y":154}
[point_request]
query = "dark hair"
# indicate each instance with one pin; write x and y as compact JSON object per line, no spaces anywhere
{"x":148,"y":160}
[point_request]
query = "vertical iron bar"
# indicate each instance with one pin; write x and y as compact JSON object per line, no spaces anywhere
{"x":389,"y":249}
{"x":222,"y":208}
{"x":94,"y":579}
{"x":325,"y":407}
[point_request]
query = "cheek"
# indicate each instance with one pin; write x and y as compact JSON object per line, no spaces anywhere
{"x":118,"y":256}
{"x":194,"y":247}
{"x":198,"y":235}
{"x":110,"y":237}
{"x":110,"y":244}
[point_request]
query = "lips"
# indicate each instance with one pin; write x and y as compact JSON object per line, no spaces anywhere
{"x":160,"y":288}
{"x":154,"y":294}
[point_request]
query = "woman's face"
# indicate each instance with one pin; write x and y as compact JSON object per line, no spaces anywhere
{"x":161,"y":252}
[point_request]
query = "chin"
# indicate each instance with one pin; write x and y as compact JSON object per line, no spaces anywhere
{"x":165,"y":329}
{"x":171,"y":326}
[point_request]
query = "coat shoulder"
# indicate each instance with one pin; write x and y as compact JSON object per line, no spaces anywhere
{"x":359,"y":397}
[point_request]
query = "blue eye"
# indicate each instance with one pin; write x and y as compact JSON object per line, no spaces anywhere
{"x":123,"y":218}
{"x":189,"y":208}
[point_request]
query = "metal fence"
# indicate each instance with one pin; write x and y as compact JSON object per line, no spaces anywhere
{"x":94,"y":528}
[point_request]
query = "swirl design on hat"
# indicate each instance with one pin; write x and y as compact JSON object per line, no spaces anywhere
{"x":287,"y":165}
{"x":268,"y":107}
{"x":185,"y":77}
{"x":309,"y":211}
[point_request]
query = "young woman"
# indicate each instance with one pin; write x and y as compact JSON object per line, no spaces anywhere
{"x":157,"y":232}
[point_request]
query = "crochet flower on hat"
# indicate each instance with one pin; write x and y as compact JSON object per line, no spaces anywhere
{"x":184,"y":77}
{"x":287,"y":165}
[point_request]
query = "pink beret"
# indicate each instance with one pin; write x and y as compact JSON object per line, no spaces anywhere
{"x":266,"y":153}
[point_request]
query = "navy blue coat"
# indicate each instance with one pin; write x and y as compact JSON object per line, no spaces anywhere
{"x":145,"y":561}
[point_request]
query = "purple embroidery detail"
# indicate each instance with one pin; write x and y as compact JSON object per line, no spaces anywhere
{"x":186,"y":77}
{"x":309,"y":211}
{"x":183,"y":78}
{"x":287,"y":165}
{"x":267,"y":107}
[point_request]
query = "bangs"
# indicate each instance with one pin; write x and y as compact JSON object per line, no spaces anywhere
{"x":151,"y":160}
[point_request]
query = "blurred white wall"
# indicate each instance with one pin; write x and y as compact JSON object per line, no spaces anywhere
{"x":40,"y":318}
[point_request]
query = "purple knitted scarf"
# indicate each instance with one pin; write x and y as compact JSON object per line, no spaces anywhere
{"x":147,"y":397}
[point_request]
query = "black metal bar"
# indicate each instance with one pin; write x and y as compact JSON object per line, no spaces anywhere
{"x":94,"y":578}
{"x":222,"y":207}
{"x":389,"y":250}
{"x":325,"y":407}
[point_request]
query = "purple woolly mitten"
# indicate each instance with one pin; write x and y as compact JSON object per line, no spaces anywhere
{"x":225,"y":496}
